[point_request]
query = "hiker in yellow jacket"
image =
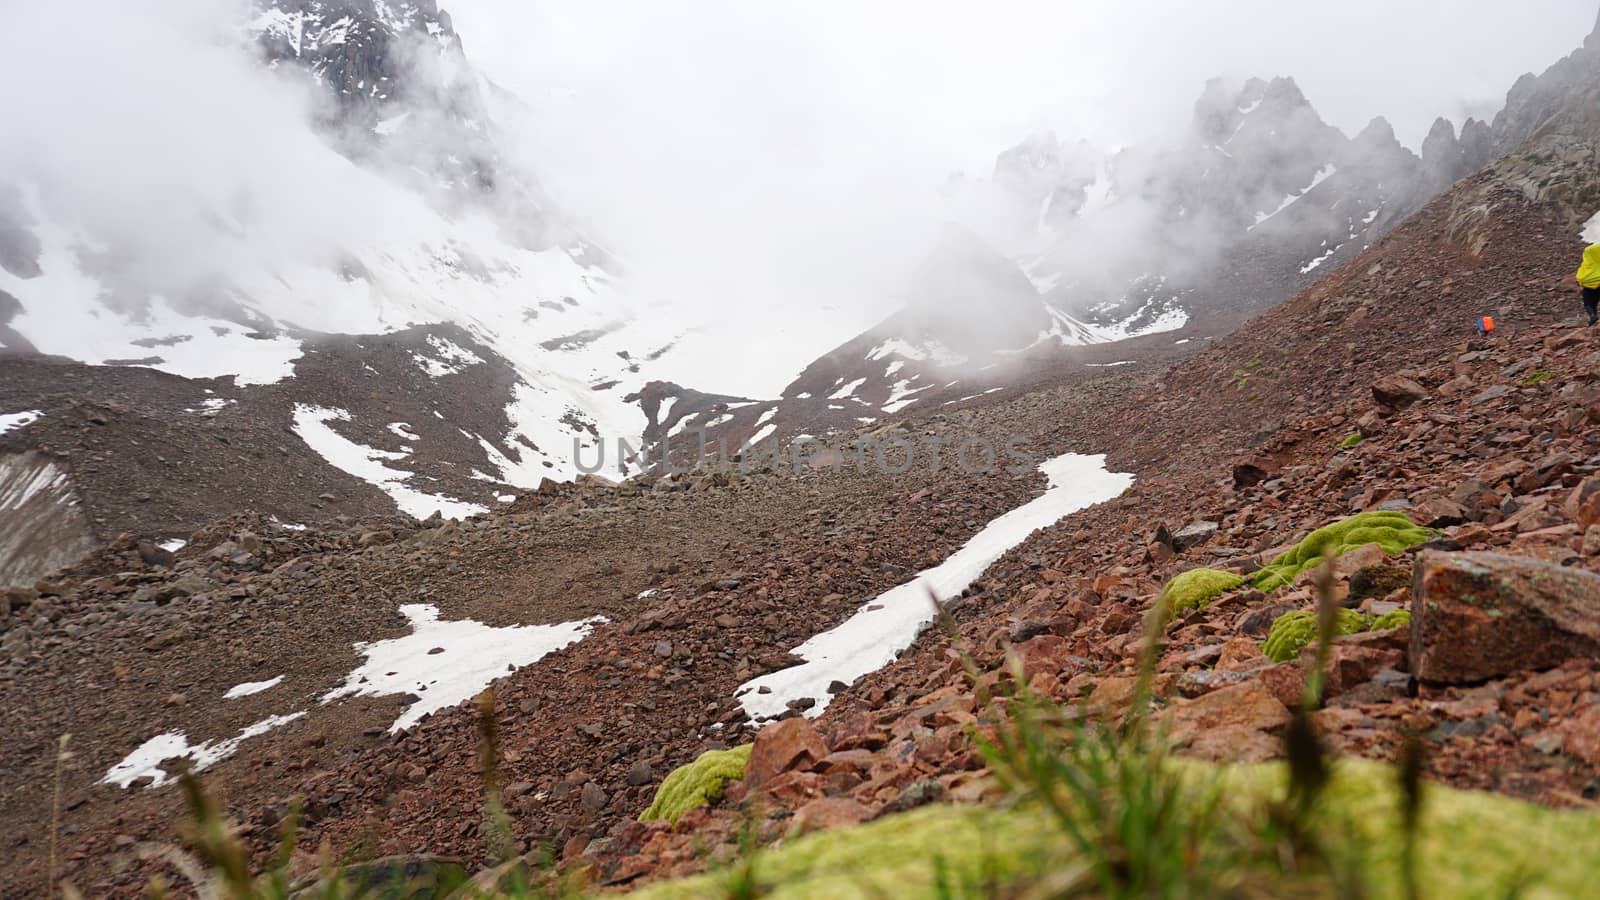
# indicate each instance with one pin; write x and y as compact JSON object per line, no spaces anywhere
{"x":1589,"y":280}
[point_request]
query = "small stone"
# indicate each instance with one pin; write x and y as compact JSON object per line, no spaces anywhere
{"x":1492,"y":394}
{"x":1193,"y":535}
{"x":592,"y":797}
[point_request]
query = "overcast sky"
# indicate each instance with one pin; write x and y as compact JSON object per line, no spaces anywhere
{"x":727,"y":130}
{"x":944,"y":85}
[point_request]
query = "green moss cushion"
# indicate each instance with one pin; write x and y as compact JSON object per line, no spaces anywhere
{"x":1291,"y":632}
{"x":1390,"y":530}
{"x":1400,"y":618}
{"x":1195,"y":588}
{"x":697,"y":783}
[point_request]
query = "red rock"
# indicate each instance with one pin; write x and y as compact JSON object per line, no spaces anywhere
{"x":1235,"y":744}
{"x":857,"y":732}
{"x":794,"y":788}
{"x":1286,"y":682}
{"x":1352,"y":663}
{"x":1478,"y":616}
{"x":1103,"y":584}
{"x":1580,"y":736}
{"x":1438,"y":512}
{"x":1241,"y":707}
{"x":1241,"y":654}
{"x":846,"y":760}
{"x":782,"y":746}
{"x":828,"y":812}
{"x":1397,"y":392}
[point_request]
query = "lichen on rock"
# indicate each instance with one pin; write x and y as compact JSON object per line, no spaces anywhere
{"x":1293,"y":631}
{"x":1195,"y":588}
{"x":697,"y":783}
{"x":1390,"y":530}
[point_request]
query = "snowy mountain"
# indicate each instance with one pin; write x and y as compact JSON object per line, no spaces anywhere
{"x":387,"y":222}
{"x":1241,"y":210}
{"x":1066,"y":255}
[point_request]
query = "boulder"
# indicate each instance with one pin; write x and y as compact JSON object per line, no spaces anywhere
{"x":1397,"y":392}
{"x":1250,"y":473}
{"x":1193,"y":535}
{"x":1229,"y":723}
{"x":826,"y":813}
{"x":782,"y":746}
{"x":1477,"y":616}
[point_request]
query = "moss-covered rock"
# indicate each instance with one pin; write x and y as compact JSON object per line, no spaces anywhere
{"x":1399,"y":618}
{"x":1195,"y":588}
{"x":1390,"y":530}
{"x":1292,"y":632}
{"x":697,"y":783}
{"x":1469,"y":844}
{"x":1350,"y":440}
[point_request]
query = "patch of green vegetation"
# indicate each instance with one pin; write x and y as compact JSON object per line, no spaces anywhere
{"x":1399,"y":618}
{"x":1195,"y":588}
{"x":697,"y":783}
{"x":1467,"y":844}
{"x":1350,"y":440}
{"x":1533,"y":378}
{"x":1294,"y":631}
{"x":1390,"y":530}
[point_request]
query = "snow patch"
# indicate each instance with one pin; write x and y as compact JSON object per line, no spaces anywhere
{"x":251,"y":687}
{"x":444,"y":663}
{"x":145,"y":762}
{"x":902,"y":395}
{"x":449,"y":358}
{"x":1591,"y":230}
{"x":929,"y":351}
{"x":367,"y":464}
{"x":887,"y":625}
{"x":13,"y":421}
{"x":847,"y":390}
{"x":1322,"y":175}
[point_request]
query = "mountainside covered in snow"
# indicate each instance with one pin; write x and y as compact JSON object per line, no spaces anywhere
{"x":347,"y":252}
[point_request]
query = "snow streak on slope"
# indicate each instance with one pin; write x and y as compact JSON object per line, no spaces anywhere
{"x":367,"y":464}
{"x":887,"y":625}
{"x":444,"y":663}
{"x":145,"y":762}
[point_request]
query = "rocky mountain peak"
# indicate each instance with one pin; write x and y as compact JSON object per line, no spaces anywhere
{"x":1378,"y":134}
